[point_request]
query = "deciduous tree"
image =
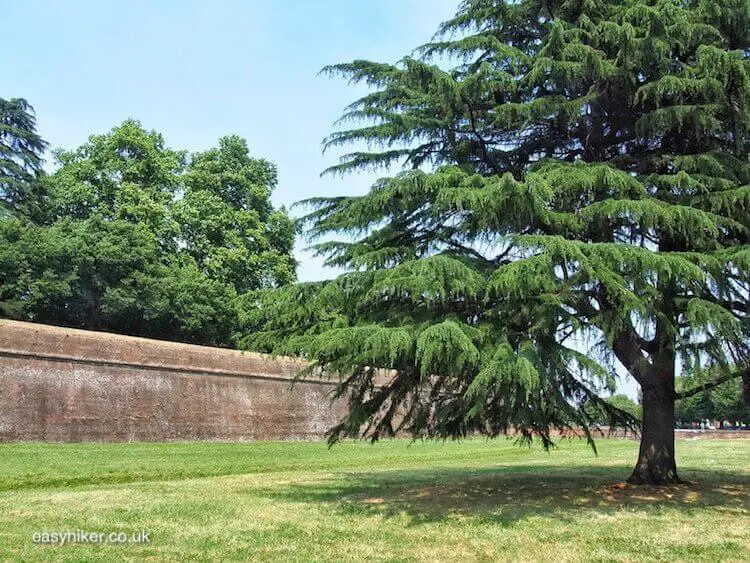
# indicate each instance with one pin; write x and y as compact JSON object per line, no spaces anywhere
{"x":227,"y":224}
{"x":135,"y":237}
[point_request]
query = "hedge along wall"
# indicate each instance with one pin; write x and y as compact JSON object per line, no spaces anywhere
{"x":66,"y":385}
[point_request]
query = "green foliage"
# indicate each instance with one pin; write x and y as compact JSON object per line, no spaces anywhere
{"x":576,"y":201}
{"x":226,"y":221}
{"x":724,"y":402}
{"x":21,"y":161}
{"x":620,"y":402}
{"x":141,"y":239}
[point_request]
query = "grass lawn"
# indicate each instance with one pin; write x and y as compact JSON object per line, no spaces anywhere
{"x":393,"y":500}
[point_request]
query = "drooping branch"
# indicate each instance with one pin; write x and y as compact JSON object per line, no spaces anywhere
{"x":713,"y":383}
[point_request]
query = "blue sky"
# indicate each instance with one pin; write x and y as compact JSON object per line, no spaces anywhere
{"x":197,"y":70}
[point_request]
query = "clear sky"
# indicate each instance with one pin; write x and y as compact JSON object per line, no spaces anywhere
{"x":198,"y":70}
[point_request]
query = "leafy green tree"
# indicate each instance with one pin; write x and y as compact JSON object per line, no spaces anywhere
{"x":126,"y":174}
{"x":227,"y":223}
{"x":577,"y":199}
{"x":135,"y":237}
{"x":110,"y":275}
{"x":21,"y":150}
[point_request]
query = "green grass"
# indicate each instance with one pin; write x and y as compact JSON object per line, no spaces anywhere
{"x":473,"y":500}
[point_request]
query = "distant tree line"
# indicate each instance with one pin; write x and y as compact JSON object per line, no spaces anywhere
{"x":128,"y":235}
{"x":722,"y":403}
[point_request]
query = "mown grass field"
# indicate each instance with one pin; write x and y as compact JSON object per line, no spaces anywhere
{"x":473,"y":500}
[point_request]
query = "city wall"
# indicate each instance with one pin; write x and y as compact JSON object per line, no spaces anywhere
{"x":65,"y":385}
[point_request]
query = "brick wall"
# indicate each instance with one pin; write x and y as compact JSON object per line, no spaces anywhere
{"x":66,"y":385}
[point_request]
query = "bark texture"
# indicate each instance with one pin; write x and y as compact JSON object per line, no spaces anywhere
{"x":656,"y":458}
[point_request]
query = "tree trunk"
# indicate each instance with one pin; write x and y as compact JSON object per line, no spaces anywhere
{"x":656,"y":461}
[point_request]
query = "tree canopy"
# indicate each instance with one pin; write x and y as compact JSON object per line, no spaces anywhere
{"x":135,"y":237}
{"x":575,"y":201}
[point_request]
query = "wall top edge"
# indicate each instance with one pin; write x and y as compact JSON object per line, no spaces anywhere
{"x":20,"y":338}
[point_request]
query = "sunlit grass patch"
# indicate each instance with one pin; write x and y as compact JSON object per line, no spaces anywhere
{"x":474,"y":500}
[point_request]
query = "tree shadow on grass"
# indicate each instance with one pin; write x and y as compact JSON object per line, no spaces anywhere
{"x":505,"y":495}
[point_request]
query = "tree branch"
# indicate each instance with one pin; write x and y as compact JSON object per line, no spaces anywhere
{"x":711,"y":384}
{"x":482,"y":143}
{"x":627,"y":349}
{"x":726,"y":303}
{"x":470,"y":251}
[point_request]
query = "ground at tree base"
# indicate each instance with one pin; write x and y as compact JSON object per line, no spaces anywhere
{"x":473,"y":500}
